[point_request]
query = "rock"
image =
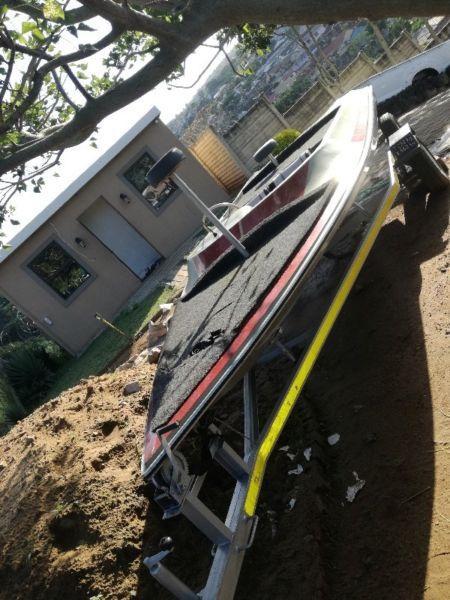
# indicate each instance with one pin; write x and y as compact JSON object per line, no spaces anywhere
{"x":141,"y":357}
{"x":29,"y":440}
{"x":155,"y":332}
{"x":131,"y":388}
{"x":97,"y":464}
{"x":333,"y":439}
{"x":125,"y":366}
{"x":154,"y":354}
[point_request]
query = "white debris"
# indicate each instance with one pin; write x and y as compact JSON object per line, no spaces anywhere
{"x":290,"y":455}
{"x":354,"y":489}
{"x":292,"y":502}
{"x":165,"y":308}
{"x":283,"y":449}
{"x":297,"y":471}
{"x":141,"y":358}
{"x":333,"y":439}
{"x":307,"y":453}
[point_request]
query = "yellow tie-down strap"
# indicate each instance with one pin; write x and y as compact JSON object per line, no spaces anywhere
{"x":287,"y":404}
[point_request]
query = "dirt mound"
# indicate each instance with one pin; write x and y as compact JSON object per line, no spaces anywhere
{"x":73,"y":506}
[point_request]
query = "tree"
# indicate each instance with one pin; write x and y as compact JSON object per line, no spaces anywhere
{"x":328,"y":76}
{"x":434,"y":36}
{"x":54,"y":94}
{"x":382,"y":41}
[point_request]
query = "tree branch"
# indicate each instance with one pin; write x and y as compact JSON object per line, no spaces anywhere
{"x":63,"y":92}
{"x":87,"y":118}
{"x":187,"y":87}
{"x":230,"y":62}
{"x":53,"y":63}
{"x":7,"y":79}
{"x":137,"y":21}
{"x":71,"y":17}
{"x":310,"y":12}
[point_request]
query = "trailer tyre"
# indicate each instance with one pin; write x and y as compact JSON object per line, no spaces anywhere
{"x":388,"y":124}
{"x":430,"y":170}
{"x":164,"y":167}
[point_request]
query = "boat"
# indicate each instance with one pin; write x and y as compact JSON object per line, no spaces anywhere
{"x":286,"y":216}
{"x":269,"y":275}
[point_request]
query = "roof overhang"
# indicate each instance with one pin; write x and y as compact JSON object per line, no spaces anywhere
{"x":76,"y":185}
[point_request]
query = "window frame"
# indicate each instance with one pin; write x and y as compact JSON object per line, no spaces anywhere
{"x":136,"y":192}
{"x":46,"y":286}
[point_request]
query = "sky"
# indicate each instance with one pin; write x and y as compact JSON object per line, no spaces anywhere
{"x":170,"y":101}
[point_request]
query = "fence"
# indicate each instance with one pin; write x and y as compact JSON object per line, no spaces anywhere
{"x":263,"y":121}
{"x":218,"y":159}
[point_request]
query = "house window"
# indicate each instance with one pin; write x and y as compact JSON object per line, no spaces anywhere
{"x":59,"y":270}
{"x":136,"y":176}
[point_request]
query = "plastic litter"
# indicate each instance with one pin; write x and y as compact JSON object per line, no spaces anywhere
{"x":354,"y":489}
{"x":333,"y":439}
{"x":307,"y":452}
{"x":292,"y":502}
{"x":297,"y":471}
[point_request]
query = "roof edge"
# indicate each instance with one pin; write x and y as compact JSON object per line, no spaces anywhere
{"x":66,"y":195}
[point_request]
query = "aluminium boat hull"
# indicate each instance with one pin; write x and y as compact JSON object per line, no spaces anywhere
{"x":340,"y":204}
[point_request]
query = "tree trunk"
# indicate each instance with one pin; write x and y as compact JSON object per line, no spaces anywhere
{"x":333,"y":69}
{"x":301,"y":42}
{"x":432,"y":32}
{"x":382,"y":41}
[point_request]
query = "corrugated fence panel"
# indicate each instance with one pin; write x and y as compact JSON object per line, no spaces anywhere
{"x":218,"y":160}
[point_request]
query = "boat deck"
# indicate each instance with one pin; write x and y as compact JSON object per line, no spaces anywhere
{"x":205,"y":324}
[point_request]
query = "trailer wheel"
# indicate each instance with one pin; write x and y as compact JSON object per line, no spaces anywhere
{"x":429,"y":170}
{"x":165,"y":166}
{"x":388,"y":124}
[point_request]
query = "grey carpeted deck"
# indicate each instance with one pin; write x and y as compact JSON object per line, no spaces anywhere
{"x":206,"y":323}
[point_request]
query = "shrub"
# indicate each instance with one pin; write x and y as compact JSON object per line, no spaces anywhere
{"x":284,"y":139}
{"x":11,"y":408}
{"x":48,"y":351}
{"x":29,"y":375}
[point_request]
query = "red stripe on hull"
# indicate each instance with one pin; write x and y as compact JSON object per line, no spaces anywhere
{"x":289,"y":192}
{"x":151,"y":439}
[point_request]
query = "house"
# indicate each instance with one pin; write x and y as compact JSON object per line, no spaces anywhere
{"x":91,"y":249}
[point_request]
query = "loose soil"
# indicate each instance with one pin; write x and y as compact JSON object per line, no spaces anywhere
{"x":76,"y":519}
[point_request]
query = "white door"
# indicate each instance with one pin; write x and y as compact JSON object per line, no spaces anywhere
{"x":120,"y":237}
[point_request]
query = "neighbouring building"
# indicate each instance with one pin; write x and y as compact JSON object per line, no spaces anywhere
{"x":91,"y":249}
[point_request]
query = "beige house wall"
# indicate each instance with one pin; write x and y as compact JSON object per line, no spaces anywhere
{"x":112,"y":283}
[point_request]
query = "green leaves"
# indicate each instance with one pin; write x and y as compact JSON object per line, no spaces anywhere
{"x":53,"y":11}
{"x":30,"y":27}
